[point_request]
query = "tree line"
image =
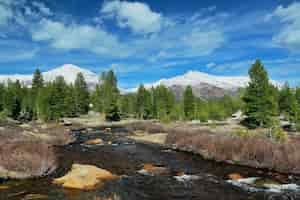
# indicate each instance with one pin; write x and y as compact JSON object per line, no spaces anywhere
{"x":261,"y":102}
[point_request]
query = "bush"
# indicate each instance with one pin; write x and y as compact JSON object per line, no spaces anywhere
{"x":278,"y":135}
{"x":242,"y":132}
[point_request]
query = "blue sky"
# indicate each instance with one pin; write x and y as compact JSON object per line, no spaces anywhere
{"x":146,"y":40}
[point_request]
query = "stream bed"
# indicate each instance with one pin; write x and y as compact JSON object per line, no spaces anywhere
{"x":125,"y":157}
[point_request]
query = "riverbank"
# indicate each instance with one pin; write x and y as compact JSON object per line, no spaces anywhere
{"x":221,"y":144}
{"x":27,"y":150}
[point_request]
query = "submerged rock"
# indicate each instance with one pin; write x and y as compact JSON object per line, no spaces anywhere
{"x":4,"y":187}
{"x":151,"y":170}
{"x":186,"y":177}
{"x":235,"y":176}
{"x":97,"y":141}
{"x":84,"y":177}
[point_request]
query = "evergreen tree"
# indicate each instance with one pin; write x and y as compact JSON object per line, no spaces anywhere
{"x":188,"y":103}
{"x":143,"y":101}
{"x":288,"y":104}
{"x":201,"y":110}
{"x":37,"y":85}
{"x":81,"y":95}
{"x":37,"y":81}
{"x":298,"y":95}
{"x":71,"y":110}
{"x":260,"y":104}
{"x":2,"y":97}
{"x":112,"y":112}
{"x":13,"y":99}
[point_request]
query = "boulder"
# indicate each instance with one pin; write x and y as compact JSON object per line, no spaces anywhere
{"x":235,"y":176}
{"x":84,"y":177}
{"x":26,"y":159}
{"x":4,"y":187}
{"x":149,"y":169}
{"x":97,"y":141}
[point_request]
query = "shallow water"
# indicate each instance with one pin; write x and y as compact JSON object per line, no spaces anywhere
{"x":124,"y":157}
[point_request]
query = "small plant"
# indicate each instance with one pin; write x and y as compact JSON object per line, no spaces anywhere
{"x":278,"y":134}
{"x":241,"y":132}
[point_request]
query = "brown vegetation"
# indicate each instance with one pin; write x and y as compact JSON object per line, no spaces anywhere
{"x":24,"y":159}
{"x":256,"y":151}
{"x":27,"y":151}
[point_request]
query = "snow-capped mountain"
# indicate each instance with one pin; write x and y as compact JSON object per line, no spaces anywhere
{"x":194,"y":78}
{"x":68,"y":71}
{"x":205,"y":85}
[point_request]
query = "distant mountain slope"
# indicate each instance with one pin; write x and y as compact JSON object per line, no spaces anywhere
{"x":68,"y":71}
{"x":205,"y":85}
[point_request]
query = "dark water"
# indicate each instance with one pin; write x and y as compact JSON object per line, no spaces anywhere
{"x":125,"y":157}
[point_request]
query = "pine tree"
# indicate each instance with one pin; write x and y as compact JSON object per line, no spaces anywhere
{"x":298,"y":95}
{"x":288,"y":104}
{"x":202,"y":110}
{"x":37,"y":81}
{"x":70,"y":102}
{"x":13,"y":99}
{"x":37,"y":85}
{"x":143,"y":101}
{"x":112,"y":112}
{"x":81,"y":95}
{"x":188,"y":103}
{"x":260,"y":104}
{"x":2,"y":97}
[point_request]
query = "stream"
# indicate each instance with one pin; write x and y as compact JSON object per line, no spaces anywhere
{"x":126,"y":157}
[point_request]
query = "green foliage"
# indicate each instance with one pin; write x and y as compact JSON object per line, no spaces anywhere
{"x":143,"y":103}
{"x":260,"y":102}
{"x":242,"y":132}
{"x":81,"y":95}
{"x":70,"y":102}
{"x":288,"y":104}
{"x":278,"y":135}
{"x":112,"y":112}
{"x":188,"y":103}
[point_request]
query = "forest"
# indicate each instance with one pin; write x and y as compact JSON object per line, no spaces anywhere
{"x":261,"y":102}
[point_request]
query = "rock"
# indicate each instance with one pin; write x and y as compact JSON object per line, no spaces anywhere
{"x":4,"y":187}
{"x":182,"y":177}
{"x":84,"y":177}
{"x":152,"y":170}
{"x":26,"y":159}
{"x":97,"y":141}
{"x":108,"y":130}
{"x":235,"y":176}
{"x":34,"y":196}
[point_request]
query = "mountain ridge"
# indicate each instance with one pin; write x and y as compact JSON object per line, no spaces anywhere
{"x":204,"y":85}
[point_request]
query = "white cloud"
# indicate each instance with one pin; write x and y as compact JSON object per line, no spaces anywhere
{"x":6,"y":12}
{"x":211,"y":65}
{"x":135,"y":15}
{"x":206,"y":41}
{"x":74,"y":36}
{"x":18,"y":55}
{"x":42,"y":8}
{"x":289,"y":35}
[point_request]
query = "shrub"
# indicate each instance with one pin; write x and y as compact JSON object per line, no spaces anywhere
{"x":278,"y":135}
{"x":242,"y":132}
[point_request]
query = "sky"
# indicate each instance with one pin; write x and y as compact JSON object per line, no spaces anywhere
{"x":146,"y":40}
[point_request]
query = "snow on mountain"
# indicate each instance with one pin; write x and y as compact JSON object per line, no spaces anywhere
{"x":68,"y":71}
{"x":194,"y":78}
{"x":204,"y":85}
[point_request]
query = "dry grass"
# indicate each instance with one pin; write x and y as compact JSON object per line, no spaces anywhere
{"x":26,"y":150}
{"x":253,"y":151}
{"x":25,"y":159}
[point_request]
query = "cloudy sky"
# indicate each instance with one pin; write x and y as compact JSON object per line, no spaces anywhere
{"x":147,"y":40}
